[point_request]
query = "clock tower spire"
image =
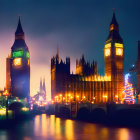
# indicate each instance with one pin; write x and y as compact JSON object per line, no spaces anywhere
{"x":114,"y":60}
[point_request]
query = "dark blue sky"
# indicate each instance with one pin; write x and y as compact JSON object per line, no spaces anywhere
{"x":78,"y":26}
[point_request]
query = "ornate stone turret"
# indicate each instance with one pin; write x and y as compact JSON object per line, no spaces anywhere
{"x":84,"y":68}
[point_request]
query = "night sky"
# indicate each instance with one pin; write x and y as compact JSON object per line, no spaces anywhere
{"x":77,"y":26}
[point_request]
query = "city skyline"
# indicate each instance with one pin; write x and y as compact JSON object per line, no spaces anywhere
{"x":83,"y":39}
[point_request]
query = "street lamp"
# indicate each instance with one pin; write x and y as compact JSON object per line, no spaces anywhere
{"x":61,"y":98}
{"x":77,"y":98}
{"x":116,"y":98}
{"x":71,"y":98}
{"x":105,"y":97}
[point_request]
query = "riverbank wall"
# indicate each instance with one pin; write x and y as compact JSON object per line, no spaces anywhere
{"x":111,"y":114}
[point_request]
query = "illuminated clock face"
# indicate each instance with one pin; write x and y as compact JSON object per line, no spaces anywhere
{"x":108,"y":45}
{"x":107,"y":52}
{"x":17,"y":54}
{"x":17,"y":61}
{"x":118,"y":45}
{"x":119,"y":51}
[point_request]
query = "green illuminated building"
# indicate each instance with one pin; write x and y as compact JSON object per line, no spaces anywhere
{"x":19,"y":66}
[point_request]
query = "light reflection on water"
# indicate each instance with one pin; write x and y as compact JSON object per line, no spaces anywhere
{"x":58,"y":126}
{"x":44,"y":127}
{"x":69,"y":130}
{"x":124,"y":134}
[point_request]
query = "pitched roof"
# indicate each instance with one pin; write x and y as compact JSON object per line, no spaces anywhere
{"x":19,"y":28}
{"x":114,"y":21}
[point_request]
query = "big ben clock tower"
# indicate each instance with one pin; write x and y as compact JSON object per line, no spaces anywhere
{"x":114,"y":60}
{"x":20,"y":65}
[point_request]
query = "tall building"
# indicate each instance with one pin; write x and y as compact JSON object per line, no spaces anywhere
{"x":18,"y":66}
{"x":8,"y":74}
{"x":42,"y":92}
{"x":136,"y":68}
{"x":114,"y":59}
{"x":87,"y":84}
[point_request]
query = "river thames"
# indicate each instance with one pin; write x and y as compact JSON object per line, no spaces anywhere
{"x":44,"y":127}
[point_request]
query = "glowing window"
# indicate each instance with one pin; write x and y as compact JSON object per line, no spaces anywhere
{"x":108,"y":45}
{"x":107,"y":52}
{"x":17,"y":61}
{"x":28,"y":62}
{"x":111,"y":27}
{"x":17,"y":54}
{"x":118,"y":45}
{"x":119,"y":51}
{"x":27,"y":54}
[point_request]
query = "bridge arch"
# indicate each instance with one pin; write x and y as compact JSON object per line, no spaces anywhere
{"x":83,"y":113}
{"x":98,"y":115}
{"x":64,"y":112}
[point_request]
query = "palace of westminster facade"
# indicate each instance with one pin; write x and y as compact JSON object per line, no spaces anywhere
{"x":87,"y":84}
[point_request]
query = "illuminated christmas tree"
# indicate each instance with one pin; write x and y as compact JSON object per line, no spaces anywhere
{"x":128,"y":91}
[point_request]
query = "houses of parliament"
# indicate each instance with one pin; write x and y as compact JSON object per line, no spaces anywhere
{"x":87,"y":84}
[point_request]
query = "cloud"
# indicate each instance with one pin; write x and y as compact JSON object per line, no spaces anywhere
{"x":78,"y":26}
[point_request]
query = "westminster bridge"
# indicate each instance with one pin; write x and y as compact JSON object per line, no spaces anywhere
{"x":116,"y":113}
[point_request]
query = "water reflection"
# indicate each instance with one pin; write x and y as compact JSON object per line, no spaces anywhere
{"x":69,"y":132}
{"x":58,"y":127}
{"x":104,"y":133}
{"x":37,"y":125}
{"x":3,"y":135}
{"x":124,"y":134}
{"x":27,"y":138}
{"x":90,"y":131}
{"x":44,"y":127}
{"x":52,"y":125}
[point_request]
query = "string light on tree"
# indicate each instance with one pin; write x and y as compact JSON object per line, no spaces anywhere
{"x":128,"y":91}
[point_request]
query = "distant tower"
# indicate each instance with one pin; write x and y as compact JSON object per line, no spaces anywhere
{"x":44,"y":87}
{"x":20,"y":65}
{"x":41,"y":85}
{"x":114,"y":60}
{"x":42,"y":91}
